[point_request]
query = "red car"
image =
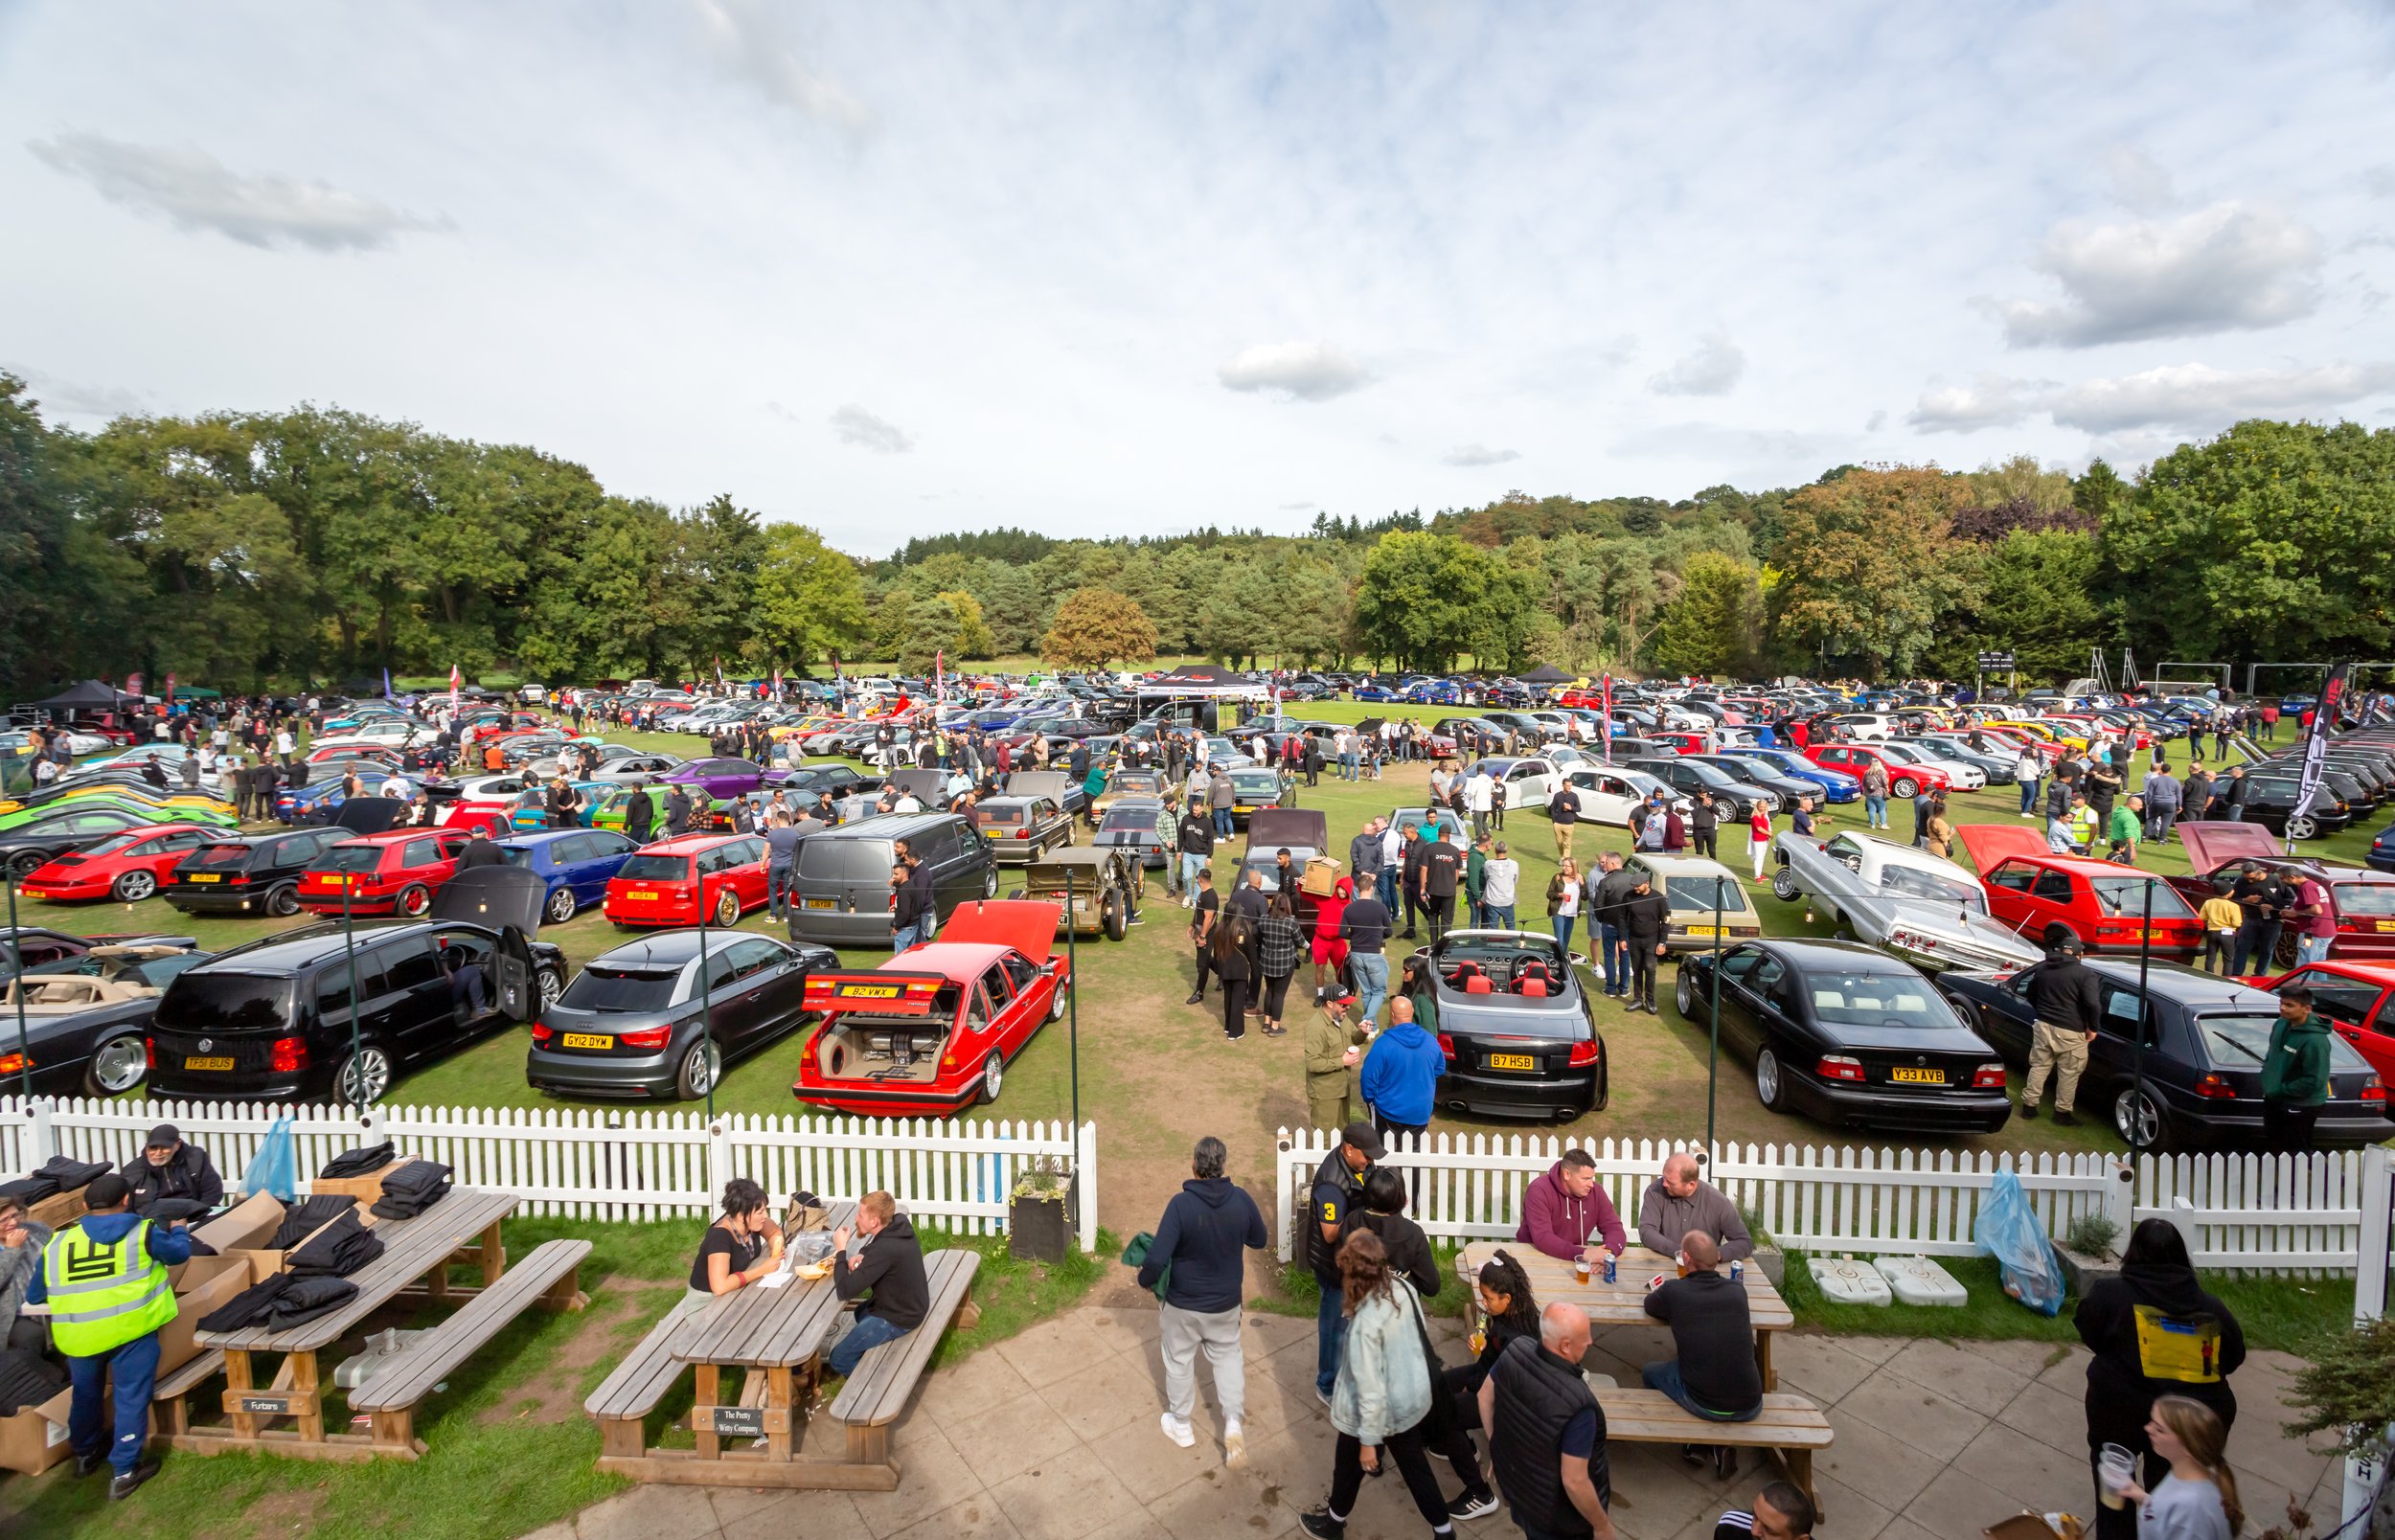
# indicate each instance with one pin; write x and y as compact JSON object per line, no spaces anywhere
{"x":394,"y":873}
{"x":654,"y":886}
{"x":2361,"y":901}
{"x":932,"y":1032}
{"x":1902,"y":780}
{"x":126,"y":866}
{"x":2030,"y":888}
{"x":2358,"y":1000}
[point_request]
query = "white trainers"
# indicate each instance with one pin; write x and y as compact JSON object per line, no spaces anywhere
{"x":1177,"y":1429}
{"x":1233,"y":1447}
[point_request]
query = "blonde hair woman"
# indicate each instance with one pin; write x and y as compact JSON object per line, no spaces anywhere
{"x":2197,"y":1500}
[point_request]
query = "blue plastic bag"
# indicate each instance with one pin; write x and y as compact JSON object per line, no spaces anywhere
{"x":2007,"y":1230}
{"x":275,"y":1168}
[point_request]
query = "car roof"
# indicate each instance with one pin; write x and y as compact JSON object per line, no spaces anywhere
{"x":2189,"y":986}
{"x":961,"y":961}
{"x":294,"y":953}
{"x":685,"y":844}
{"x":1806,"y":949}
{"x":395,"y":836}
{"x":1682,"y":866}
{"x":670,"y":950}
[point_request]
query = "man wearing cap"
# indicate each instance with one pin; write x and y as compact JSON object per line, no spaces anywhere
{"x":1338,"y":1183}
{"x":170,"y":1169}
{"x":1335,"y":1045}
{"x":2065,"y":996}
{"x":104,"y":1278}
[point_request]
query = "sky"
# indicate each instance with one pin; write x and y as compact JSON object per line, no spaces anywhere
{"x":1100,"y":269}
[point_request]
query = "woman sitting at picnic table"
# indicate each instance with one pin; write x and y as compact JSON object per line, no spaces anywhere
{"x":741,"y":1247}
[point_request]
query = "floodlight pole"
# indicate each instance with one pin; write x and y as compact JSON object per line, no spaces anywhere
{"x":349,"y":945}
{"x":1713,"y":1053}
{"x":1072,"y":1021}
{"x":706,"y":998}
{"x":2145,"y":1009}
{"x":16,"y":982}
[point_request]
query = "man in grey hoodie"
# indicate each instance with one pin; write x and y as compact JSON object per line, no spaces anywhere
{"x":1678,"y":1202}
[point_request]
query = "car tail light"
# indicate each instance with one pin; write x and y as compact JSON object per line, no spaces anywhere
{"x":649,"y":1037}
{"x":1839,"y":1067}
{"x":541,"y":1032}
{"x":238,"y":878}
{"x":2215,"y":1088}
{"x":150,"y":1052}
{"x":288,"y":1055}
{"x":2374,"y":1090}
{"x":1586,"y":1053}
{"x":1988,"y":1078}
{"x":1446,"y":1046}
{"x":15,"y":1064}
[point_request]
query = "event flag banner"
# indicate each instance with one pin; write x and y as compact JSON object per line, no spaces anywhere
{"x":133,"y":684}
{"x":457,"y":685}
{"x":2317,"y":741}
{"x":1604,"y":729}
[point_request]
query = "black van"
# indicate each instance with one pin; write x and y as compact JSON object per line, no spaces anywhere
{"x":841,"y":885}
{"x":247,"y":874}
{"x":271,"y":1021}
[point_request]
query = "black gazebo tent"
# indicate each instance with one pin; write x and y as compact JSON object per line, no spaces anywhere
{"x":91,"y":695}
{"x":1546,"y":673}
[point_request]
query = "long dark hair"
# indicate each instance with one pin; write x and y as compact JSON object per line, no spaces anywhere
{"x":1364,"y":1268}
{"x":1504,"y":1275}
{"x":2156,"y":1243}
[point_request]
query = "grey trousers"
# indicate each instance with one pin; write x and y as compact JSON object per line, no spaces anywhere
{"x":1185,"y":1331}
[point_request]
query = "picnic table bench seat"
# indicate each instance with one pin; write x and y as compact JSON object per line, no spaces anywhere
{"x":633,"y":1388}
{"x":1790,"y":1426}
{"x":547,"y":1276}
{"x":877,"y":1393}
{"x":169,"y":1398}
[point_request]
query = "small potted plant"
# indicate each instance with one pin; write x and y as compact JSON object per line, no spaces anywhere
{"x":2085,"y":1251}
{"x":1037,"y":1230}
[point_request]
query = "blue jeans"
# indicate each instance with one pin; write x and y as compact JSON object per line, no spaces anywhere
{"x":777,"y":891}
{"x":1875,"y":812}
{"x":1371,"y":983}
{"x":1191,"y":866}
{"x":869,"y":1332}
{"x":1609,"y":947}
{"x":136,"y":1370}
{"x":1329,"y":1337}
{"x":1665,"y":1377}
{"x":1496,"y":917}
{"x":2312,"y":949}
{"x":1384,"y":885}
{"x":902,"y":937}
{"x":1563,"y":926}
{"x":2028,"y":796}
{"x":1222,"y":821}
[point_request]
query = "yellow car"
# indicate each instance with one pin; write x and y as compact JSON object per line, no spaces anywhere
{"x":811,"y":724}
{"x":2045,"y":731}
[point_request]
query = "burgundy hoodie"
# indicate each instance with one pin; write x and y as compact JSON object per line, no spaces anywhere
{"x":1560,"y":1224}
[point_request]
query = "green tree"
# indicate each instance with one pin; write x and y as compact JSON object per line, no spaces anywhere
{"x":972,"y":633}
{"x":1714,"y":623}
{"x":1095,"y":628}
{"x":810,"y":601}
{"x":1420,"y":597}
{"x":1870,"y":565}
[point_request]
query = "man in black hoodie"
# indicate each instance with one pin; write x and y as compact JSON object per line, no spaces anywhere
{"x":169,"y":1167}
{"x":1200,"y":1254}
{"x":887,"y":1275}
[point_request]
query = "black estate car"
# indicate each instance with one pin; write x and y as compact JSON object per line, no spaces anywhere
{"x":630,"y":1024}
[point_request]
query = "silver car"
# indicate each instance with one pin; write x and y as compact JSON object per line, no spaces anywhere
{"x":1906,"y":901}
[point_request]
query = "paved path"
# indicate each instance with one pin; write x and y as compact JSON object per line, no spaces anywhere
{"x":1053,"y":1436}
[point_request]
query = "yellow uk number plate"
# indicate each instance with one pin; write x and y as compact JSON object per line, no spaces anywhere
{"x":2383,"y":924}
{"x":640,"y":892}
{"x":208,"y":1064}
{"x":1704,"y":930}
{"x":584,"y":1040}
{"x":820,"y":903}
{"x":205,"y":876}
{"x":1513,"y":1062}
{"x":869,"y":991}
{"x":1918,"y":1077}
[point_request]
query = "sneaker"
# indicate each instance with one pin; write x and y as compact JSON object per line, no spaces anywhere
{"x":85,"y":1465}
{"x":1322,"y":1395}
{"x":1724,"y":1462}
{"x":1233,"y":1447}
{"x":1178,"y":1429}
{"x":2028,"y":1111}
{"x":1691,"y":1454}
{"x":123,"y":1486}
{"x":2064,"y":1120}
{"x":1320,"y":1523}
{"x":1473,"y":1504}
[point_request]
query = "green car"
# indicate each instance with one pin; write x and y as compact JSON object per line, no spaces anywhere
{"x":148,"y":810}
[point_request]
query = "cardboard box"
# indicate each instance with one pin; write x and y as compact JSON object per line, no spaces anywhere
{"x":59,"y":1209}
{"x":36,"y":1438}
{"x":175,"y":1347}
{"x":367,"y":1190}
{"x":1321,"y":875}
{"x":264,"y":1262}
{"x":246,"y":1223}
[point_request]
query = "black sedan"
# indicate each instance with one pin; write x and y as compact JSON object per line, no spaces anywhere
{"x":2197,"y":1083}
{"x":1760,"y":772}
{"x":85,"y":1017}
{"x":839,"y":780}
{"x":1738,"y":798}
{"x":1520,"y":1036}
{"x":1848,"y":1035}
{"x":634,"y":1022}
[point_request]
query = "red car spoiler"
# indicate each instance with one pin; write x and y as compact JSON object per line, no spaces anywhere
{"x":898,"y":994}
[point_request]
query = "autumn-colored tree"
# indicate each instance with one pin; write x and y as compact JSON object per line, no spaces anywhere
{"x":1094,"y":626}
{"x":1869,"y":564}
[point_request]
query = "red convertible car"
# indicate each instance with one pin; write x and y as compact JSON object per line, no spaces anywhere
{"x":2361,"y":901}
{"x":127,"y":866}
{"x":654,"y":885}
{"x":2029,"y":889}
{"x":932,"y":1032}
{"x":395,"y":873}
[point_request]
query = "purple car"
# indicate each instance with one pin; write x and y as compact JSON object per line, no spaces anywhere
{"x":723,"y":779}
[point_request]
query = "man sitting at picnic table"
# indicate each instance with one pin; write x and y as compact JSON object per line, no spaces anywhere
{"x":1677,"y":1203}
{"x":887,"y":1276}
{"x":1713,"y":1375}
{"x":1565,"y":1213}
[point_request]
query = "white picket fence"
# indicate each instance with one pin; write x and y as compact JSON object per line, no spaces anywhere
{"x":2248,"y":1212}
{"x":599,"y":1165}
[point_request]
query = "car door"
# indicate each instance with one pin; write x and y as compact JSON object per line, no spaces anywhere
{"x":733,"y":989}
{"x":745,"y":861}
{"x":2054,"y":898}
{"x":410,"y":1009}
{"x":2119,"y":1019}
{"x":160,"y":853}
{"x":2358,"y":1011}
{"x":1741,"y":997}
{"x":603,"y":852}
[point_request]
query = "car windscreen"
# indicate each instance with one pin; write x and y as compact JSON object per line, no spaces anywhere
{"x":623,"y":991}
{"x":1911,"y":882}
{"x":2127,"y":896}
{"x":2240,"y":1040}
{"x":348,"y":858}
{"x":227,"y":1003}
{"x":118,"y":842}
{"x":1687,"y":894}
{"x":1003,"y":813}
{"x":1263,"y":782}
{"x":2368,"y":898}
{"x":1859,"y":999}
{"x":839,"y":860}
{"x":1138,"y":817}
{"x":223,"y":856}
{"x":646,"y":867}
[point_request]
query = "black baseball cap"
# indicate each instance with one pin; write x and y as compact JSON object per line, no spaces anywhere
{"x":163,"y":1137}
{"x":106,"y":1191}
{"x":1364,"y":1137}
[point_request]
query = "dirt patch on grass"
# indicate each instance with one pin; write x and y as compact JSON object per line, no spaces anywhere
{"x":556,"y":1392}
{"x":286,"y":1510}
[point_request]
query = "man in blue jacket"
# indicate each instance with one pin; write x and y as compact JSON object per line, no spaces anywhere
{"x":1200,"y":1254}
{"x":1400,"y":1078}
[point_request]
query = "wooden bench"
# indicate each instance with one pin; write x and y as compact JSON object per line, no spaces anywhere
{"x":169,"y":1407}
{"x":876,"y":1394}
{"x":632,"y":1388}
{"x":547,"y":1277}
{"x":1790,"y":1427}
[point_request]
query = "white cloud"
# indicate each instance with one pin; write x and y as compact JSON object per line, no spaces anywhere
{"x":1477,"y":454}
{"x":1295,"y":507}
{"x":194,"y":191}
{"x":853,"y":425}
{"x":2187,"y":399}
{"x":77,"y":399}
{"x":1713,"y":369}
{"x":2380,"y":181}
{"x":1991,"y":401}
{"x":750,"y":44}
{"x":2230,"y":267}
{"x":1295,"y":371}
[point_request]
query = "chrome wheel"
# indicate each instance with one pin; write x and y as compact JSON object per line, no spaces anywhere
{"x":993,"y":1078}
{"x":728,"y":909}
{"x":119,"y":1065}
{"x":135,"y":886}
{"x":413,"y":902}
{"x":365,"y":1076}
{"x":1768,"y":1087}
{"x":700,"y":1067}
{"x":1784,"y":886}
{"x":560,"y":906}
{"x":1684,"y":995}
{"x":990,"y":883}
{"x":552,"y":986}
{"x":2136,"y":1119}
{"x":1056,"y":1003}
{"x":2302,"y":826}
{"x":283,"y":903}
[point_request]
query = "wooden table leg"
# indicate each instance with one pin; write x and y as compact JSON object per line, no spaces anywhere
{"x":494,"y":1255}
{"x":1762,"y":1360}
{"x":237,"y":1379}
{"x":1799,"y":1462}
{"x":311,"y":1422}
{"x":708,"y":1398}
{"x":782,"y":1444}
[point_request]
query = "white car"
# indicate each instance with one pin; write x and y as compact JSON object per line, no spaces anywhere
{"x":1900,"y":899}
{"x":1614,"y":797}
{"x":395,"y":734}
{"x":1867,"y":726}
{"x":1522,"y":782}
{"x":1961,"y":774}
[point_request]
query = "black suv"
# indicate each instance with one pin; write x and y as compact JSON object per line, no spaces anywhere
{"x":271,"y":1021}
{"x":247,"y":874}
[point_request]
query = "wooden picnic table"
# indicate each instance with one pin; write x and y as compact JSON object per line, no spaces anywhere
{"x":415,"y":1251}
{"x":778,"y":1335}
{"x":1622,"y":1303}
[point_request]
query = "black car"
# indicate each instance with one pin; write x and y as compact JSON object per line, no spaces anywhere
{"x":633,"y":1023}
{"x":85,"y":1017}
{"x":41,"y":946}
{"x":1848,"y":1035}
{"x":839,"y":780}
{"x":1738,"y":798}
{"x":247,"y":874}
{"x":2271,"y":801}
{"x":1516,"y":1027}
{"x":28,"y":847}
{"x":1760,"y":772}
{"x":273,"y":1020}
{"x":1142,"y":826}
{"x":2196,"y":1082}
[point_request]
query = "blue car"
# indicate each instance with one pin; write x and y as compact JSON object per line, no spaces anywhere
{"x":576,"y":863}
{"x":1836,"y":786}
{"x":319,"y":800}
{"x":1379,"y":693}
{"x":2382,"y":856}
{"x":1433,"y":692}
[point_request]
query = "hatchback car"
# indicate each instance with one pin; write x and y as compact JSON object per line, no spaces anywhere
{"x":1738,"y":798}
{"x":1905,"y":778}
{"x":1516,"y":1026}
{"x":247,"y":874}
{"x":656,"y":886}
{"x":2105,"y":905}
{"x":638,"y":1022}
{"x":1829,"y":785}
{"x":2361,"y":903}
{"x":2358,"y":1000}
{"x":1847,"y":1035}
{"x":1617,"y":797}
{"x":126,"y":866}
{"x":1706,"y":900}
{"x":576,"y":865}
{"x":390,"y":873}
{"x":1141,"y":826}
{"x":320,"y":799}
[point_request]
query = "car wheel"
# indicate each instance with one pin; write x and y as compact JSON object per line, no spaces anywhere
{"x":700,"y":1067}
{"x":1784,"y":886}
{"x":560,"y":906}
{"x":25,"y":863}
{"x":1904,"y":786}
{"x":284,"y":902}
{"x":1684,"y":996}
{"x":117,"y":1066}
{"x":993,"y":1077}
{"x":2138,"y":1116}
{"x":1110,"y":916}
{"x":134,"y":887}
{"x":2285,"y":953}
{"x":2302,"y":826}
{"x":728,"y":909}
{"x":552,"y":987}
{"x":990,"y":883}
{"x":1057,"y":1002}
{"x":413,"y":901}
{"x":1771,"y":1084}
{"x":364,"y":1077}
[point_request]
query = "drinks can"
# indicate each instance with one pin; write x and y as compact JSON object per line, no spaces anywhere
{"x":1613,"y":1268}
{"x":1737,"y":1271}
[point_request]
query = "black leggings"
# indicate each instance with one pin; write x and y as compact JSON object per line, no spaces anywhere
{"x":1234,"y":1008}
{"x":1275,"y":995}
{"x":1347,"y":1475}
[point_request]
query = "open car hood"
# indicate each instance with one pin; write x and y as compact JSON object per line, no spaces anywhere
{"x":495,"y":896}
{"x":1268,"y":828}
{"x":2210,"y":845}
{"x":926,"y":786}
{"x":1026,"y":924}
{"x":1991,"y":845}
{"x":1050,"y":783}
{"x":370,"y":814}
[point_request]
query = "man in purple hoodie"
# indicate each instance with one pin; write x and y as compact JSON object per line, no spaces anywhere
{"x":1565,"y":1213}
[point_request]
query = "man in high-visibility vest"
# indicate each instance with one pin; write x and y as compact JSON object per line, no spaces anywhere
{"x":104,"y":1278}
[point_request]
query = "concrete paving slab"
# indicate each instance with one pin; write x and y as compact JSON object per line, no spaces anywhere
{"x":932,"y":1475}
{"x":1012,"y":1438}
{"x":1048,"y":1352}
{"x":649,"y":1510}
{"x":1067,"y":1497}
{"x":1961,"y":1374}
{"x":2031,"y":1472}
{"x":1935,"y":1424}
{"x":2050,"y":1416}
{"x":1117,"y":1389}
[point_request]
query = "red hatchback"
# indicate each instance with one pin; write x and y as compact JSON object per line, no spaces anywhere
{"x":1855,"y":758}
{"x":2358,"y":1000}
{"x":394,"y":873}
{"x":127,"y":866}
{"x":2030,"y":888}
{"x":2362,"y":903}
{"x":656,"y":886}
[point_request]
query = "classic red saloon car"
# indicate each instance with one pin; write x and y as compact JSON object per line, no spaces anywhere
{"x":1856,"y":758}
{"x":127,"y":866}
{"x":656,"y":885}
{"x":394,"y":873}
{"x":2358,"y":1000}
{"x":930,"y":1033}
{"x":2030,"y":888}
{"x":2361,"y":901}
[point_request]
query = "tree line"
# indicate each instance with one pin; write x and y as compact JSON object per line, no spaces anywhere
{"x":238,"y":550}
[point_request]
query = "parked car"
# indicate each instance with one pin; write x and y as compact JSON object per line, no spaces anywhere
{"x":1738,"y":798}
{"x":1526,"y":782}
{"x":841,"y":884}
{"x":1145,"y":785}
{"x":656,"y":886}
{"x":1828,"y":785}
{"x":2103,"y":905}
{"x":1254,"y":788}
{"x":932,"y":1032}
{"x":1096,"y":889}
{"x":2361,"y":903}
{"x":126,"y":865}
{"x":1906,"y":777}
{"x":39,"y":945}
{"x":87,"y":1017}
{"x":639,"y":1022}
{"x":1692,"y":887}
{"x":575,"y":865}
{"x":1516,"y":1027}
{"x":247,"y":874}
{"x":719,"y":779}
{"x":839,"y":780}
{"x":1755,"y":773}
{"x":1019,"y":829}
{"x":2194,"y":1080}
{"x":2359,"y":1001}
{"x":1617,"y":797}
{"x":1923,"y":908}
{"x":1142,"y":826}
{"x":1430,"y":819}
{"x":1847,"y":1035}
{"x":395,"y":873}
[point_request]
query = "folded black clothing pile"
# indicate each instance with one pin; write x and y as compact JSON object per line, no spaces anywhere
{"x":284,"y":1299}
{"x":58,"y":1174}
{"x":304,"y":1218}
{"x":364,"y":1161}
{"x":338,"y":1250}
{"x":27,"y":1379}
{"x":28,"y":1189}
{"x":165,"y":1211}
{"x":412,"y":1189}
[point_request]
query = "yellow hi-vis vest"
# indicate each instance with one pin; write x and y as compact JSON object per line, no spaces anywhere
{"x":101,"y":1295}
